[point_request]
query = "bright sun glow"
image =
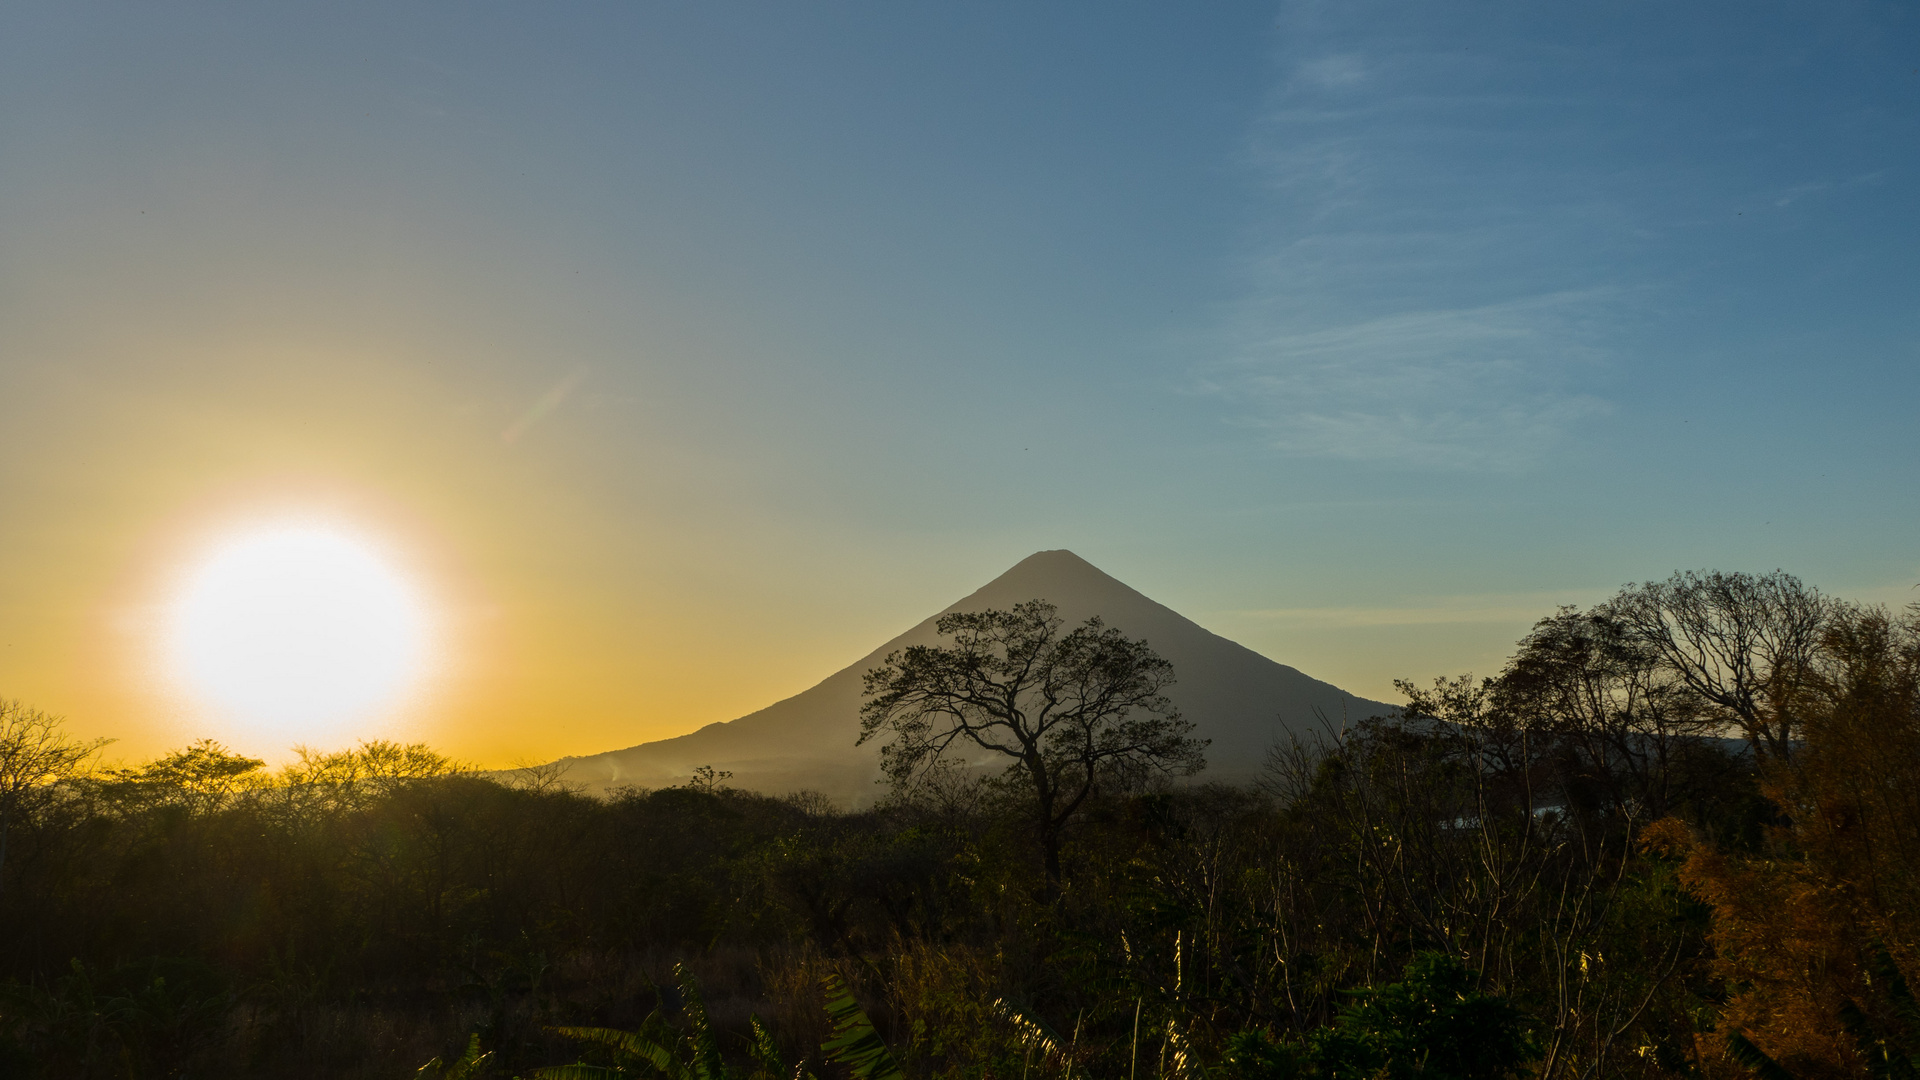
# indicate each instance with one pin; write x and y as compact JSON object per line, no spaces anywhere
{"x":297,"y":630}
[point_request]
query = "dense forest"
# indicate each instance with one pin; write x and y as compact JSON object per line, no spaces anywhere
{"x":1679,"y":834}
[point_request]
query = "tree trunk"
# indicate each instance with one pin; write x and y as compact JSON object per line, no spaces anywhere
{"x":1046,"y":796}
{"x":1050,"y":842}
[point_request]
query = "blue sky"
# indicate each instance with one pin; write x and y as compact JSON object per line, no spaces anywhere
{"x":697,"y":336}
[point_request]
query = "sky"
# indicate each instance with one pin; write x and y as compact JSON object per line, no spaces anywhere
{"x":679,"y":354}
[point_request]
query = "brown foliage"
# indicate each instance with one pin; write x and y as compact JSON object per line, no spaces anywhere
{"x":1796,"y":925}
{"x":1783,"y":943}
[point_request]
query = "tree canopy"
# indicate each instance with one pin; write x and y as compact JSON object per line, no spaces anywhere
{"x":1067,"y":709}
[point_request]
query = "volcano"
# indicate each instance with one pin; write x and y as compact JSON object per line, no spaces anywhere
{"x":1239,"y":699}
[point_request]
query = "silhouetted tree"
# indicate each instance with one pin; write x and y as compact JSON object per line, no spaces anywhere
{"x":35,"y":755}
{"x":1744,"y":643}
{"x":203,"y":778}
{"x":1069,"y":709}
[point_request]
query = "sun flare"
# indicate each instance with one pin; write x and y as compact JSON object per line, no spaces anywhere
{"x":293,"y":631}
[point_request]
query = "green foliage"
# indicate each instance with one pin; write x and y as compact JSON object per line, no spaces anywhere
{"x":634,"y":1054}
{"x":765,"y":1053}
{"x":694,"y":1055}
{"x":853,"y":1041}
{"x":1255,"y":1055}
{"x":1433,"y":1024}
{"x":470,"y":1065}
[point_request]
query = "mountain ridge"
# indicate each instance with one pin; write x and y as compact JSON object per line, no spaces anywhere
{"x":1243,"y":701}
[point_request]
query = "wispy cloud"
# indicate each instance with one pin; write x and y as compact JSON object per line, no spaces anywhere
{"x":1452,"y":388}
{"x":543,"y":406}
{"x":1415,"y":294}
{"x":1787,"y":196}
{"x":1524,"y":608}
{"x":1333,"y":72}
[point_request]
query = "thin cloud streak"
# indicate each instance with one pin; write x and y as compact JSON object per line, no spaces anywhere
{"x":1513,"y":607}
{"x":1412,"y":300}
{"x":1523,"y":608}
{"x":544,"y":406}
{"x":1462,"y":388}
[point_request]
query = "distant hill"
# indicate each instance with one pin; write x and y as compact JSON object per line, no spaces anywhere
{"x":1241,"y":700}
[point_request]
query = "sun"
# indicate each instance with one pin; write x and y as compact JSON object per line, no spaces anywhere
{"x":297,"y":631}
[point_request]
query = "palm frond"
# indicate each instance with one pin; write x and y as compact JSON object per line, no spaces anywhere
{"x":765,"y":1052}
{"x":578,"y":1072}
{"x":469,"y":1064}
{"x":634,"y":1046}
{"x":854,"y":1042}
{"x":702,"y":1045}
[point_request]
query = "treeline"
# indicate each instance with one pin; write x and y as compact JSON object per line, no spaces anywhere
{"x":1679,"y":834}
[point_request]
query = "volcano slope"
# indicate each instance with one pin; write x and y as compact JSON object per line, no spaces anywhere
{"x":1239,"y":699}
